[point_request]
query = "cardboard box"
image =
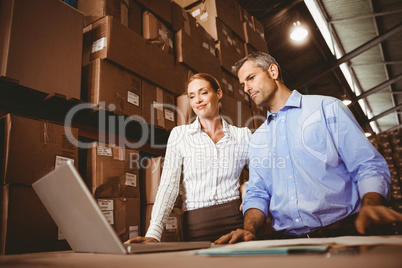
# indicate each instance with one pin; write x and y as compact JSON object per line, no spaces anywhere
{"x":113,"y":171}
{"x":230,"y":47}
{"x":236,"y":113}
{"x":196,"y":55}
{"x":253,"y":36}
{"x":227,"y":84}
{"x":108,"y":85}
{"x":249,"y":48}
{"x":182,"y":20}
{"x":32,"y":148}
{"x":157,"y":33}
{"x":229,"y":110}
{"x":158,"y":106}
{"x":173,"y":231}
{"x":123,"y":214}
{"x":109,"y":39}
{"x":161,"y":8}
{"x":245,"y":116}
{"x":127,"y":12}
{"x":182,"y":74}
{"x":153,"y":172}
{"x":239,"y":93}
{"x":185,"y":3}
{"x":26,"y":226}
{"x":226,"y":10}
{"x":258,"y":27}
{"x":41,"y":45}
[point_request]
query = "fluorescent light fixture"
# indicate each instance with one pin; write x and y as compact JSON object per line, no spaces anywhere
{"x":299,"y":33}
{"x":367,"y":134}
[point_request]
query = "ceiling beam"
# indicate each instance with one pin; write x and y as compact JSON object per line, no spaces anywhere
{"x":393,"y":109}
{"x":395,"y":127}
{"x":347,"y":57}
{"x":378,"y":87}
{"x":376,"y":63}
{"x":372,"y":15}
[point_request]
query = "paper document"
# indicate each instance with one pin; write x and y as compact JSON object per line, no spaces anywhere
{"x":219,"y":251}
{"x":342,"y":240}
{"x":298,"y":245}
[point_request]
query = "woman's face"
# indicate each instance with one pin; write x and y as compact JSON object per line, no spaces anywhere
{"x":203,"y":99}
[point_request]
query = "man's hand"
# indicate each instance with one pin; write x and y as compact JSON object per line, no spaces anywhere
{"x":140,"y":239}
{"x":375,"y":215}
{"x":253,"y":220}
{"x":373,"y":212}
{"x":235,"y":236}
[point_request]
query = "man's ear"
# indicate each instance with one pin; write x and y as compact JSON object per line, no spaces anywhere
{"x":273,"y":71}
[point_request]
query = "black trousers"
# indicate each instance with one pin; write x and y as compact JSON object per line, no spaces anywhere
{"x":210,"y":223}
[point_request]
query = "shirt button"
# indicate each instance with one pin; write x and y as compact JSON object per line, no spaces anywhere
{"x":290,"y":177}
{"x":297,"y":220}
{"x":287,"y":157}
{"x":292,"y":198}
{"x":284,"y":137}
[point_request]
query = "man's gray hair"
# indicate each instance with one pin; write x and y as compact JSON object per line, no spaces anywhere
{"x":260,"y":59}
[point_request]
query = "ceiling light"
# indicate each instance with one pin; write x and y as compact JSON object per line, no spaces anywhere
{"x":346,"y":100}
{"x":299,"y":33}
{"x":367,"y":134}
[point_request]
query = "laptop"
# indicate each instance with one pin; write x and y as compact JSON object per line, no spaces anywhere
{"x":78,"y":216}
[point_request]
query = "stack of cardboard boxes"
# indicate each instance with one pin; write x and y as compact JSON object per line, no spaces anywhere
{"x":113,"y":178}
{"x":30,"y":149}
{"x":40,"y":49}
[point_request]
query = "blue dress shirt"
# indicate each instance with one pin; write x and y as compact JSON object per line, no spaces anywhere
{"x":310,"y":165}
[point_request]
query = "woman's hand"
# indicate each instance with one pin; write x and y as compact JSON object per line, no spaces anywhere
{"x":141,"y":239}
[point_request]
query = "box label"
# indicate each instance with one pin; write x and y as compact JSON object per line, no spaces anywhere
{"x":171,"y":223}
{"x":104,"y":151}
{"x":196,"y":13}
{"x":204,"y":16}
{"x":99,"y":44}
{"x":169,"y":115}
{"x":133,"y":98}
{"x":131,"y":179}
{"x":105,"y":204}
{"x":109,"y":216}
{"x":132,"y":231}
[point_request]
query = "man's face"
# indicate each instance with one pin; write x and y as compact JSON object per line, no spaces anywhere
{"x":257,"y":83}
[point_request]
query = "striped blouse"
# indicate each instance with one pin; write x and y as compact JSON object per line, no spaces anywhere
{"x":210,"y":171}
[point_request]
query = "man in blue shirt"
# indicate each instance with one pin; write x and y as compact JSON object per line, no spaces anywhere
{"x":311,"y":167}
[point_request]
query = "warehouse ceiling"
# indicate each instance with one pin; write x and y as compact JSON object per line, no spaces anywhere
{"x":368,"y":34}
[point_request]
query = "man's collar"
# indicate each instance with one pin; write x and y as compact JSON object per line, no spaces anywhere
{"x":294,"y":101}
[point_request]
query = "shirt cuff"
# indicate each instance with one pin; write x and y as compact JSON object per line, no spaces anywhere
{"x":154,"y":232}
{"x":261,"y":205}
{"x":376,"y":185}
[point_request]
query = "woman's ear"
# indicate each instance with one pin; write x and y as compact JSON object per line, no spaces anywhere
{"x":219,"y":93}
{"x":274,"y":71}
